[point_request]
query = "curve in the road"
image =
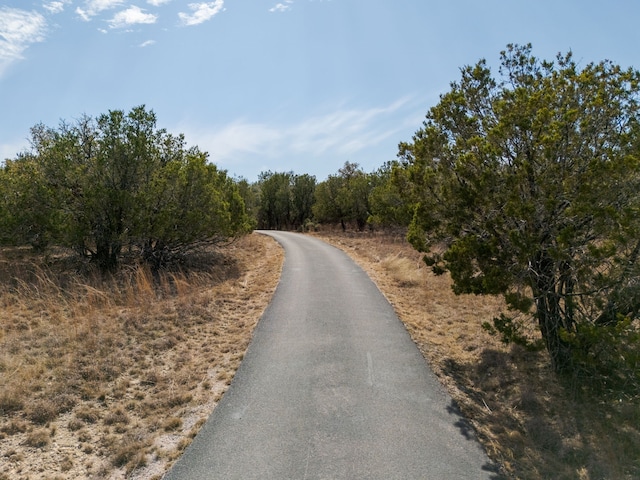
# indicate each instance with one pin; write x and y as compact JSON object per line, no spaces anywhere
{"x":332,"y":387}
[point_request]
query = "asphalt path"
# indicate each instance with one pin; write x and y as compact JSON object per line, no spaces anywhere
{"x":332,"y":387}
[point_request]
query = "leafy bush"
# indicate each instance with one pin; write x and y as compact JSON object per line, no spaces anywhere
{"x":116,"y":185}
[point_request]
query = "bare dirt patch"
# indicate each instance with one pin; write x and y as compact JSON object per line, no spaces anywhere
{"x":113,"y":378}
{"x":533,"y":424}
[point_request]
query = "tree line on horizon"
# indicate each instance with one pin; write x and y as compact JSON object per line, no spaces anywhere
{"x":350,"y":199}
{"x":525,"y":185}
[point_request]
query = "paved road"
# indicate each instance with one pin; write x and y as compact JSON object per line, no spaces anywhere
{"x":331,"y":387}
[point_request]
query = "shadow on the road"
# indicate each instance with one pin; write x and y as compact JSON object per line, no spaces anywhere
{"x":468,"y":432}
{"x":463,"y":425}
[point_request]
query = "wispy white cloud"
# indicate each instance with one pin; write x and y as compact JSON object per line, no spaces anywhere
{"x":148,"y":43}
{"x":132,"y":16}
{"x":94,"y":7}
{"x":18,"y":30}
{"x":157,"y":3}
{"x":340,"y":134}
{"x":282,"y":7}
{"x":345,"y":131}
{"x":55,"y":7}
{"x":239,"y":137}
{"x":200,"y":12}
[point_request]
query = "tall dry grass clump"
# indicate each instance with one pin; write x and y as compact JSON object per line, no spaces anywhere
{"x":407,"y":272}
{"x":101,"y":363}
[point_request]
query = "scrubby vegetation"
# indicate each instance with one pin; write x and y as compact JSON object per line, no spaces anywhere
{"x":115,"y":187}
{"x":520,"y":195}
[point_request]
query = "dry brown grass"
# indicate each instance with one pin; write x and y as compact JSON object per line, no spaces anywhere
{"x":529,"y":421}
{"x":112,"y":378}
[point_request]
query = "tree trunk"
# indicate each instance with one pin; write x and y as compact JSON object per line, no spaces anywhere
{"x":106,"y":256}
{"x":551,"y":320}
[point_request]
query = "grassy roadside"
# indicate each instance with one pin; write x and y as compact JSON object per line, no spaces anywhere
{"x":533,"y":424}
{"x":112,"y":378}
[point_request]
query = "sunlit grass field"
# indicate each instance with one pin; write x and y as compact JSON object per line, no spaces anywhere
{"x":104,"y":377}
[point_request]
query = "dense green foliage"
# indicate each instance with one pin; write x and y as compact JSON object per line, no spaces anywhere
{"x":529,"y":186}
{"x":344,"y":198}
{"x":386,"y":201}
{"x":114,"y":184}
{"x":350,"y":198}
{"x":285,"y":200}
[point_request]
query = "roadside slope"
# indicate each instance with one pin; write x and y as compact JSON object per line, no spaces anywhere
{"x":111,"y":378}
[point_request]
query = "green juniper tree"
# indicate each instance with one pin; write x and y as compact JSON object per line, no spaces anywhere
{"x":528,"y":185}
{"x":117,"y":182}
{"x":344,"y":198}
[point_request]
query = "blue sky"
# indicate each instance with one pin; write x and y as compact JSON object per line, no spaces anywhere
{"x":280,"y":85}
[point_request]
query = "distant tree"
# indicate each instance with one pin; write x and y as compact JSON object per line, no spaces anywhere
{"x":389,"y":209}
{"x":302,"y":199}
{"x":326,"y":208}
{"x":344,"y":197}
{"x":353,"y":197}
{"x":250,"y":193}
{"x":286,"y":200}
{"x":275,"y":200}
{"x":529,"y":186}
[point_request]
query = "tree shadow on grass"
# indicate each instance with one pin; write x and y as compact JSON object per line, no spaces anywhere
{"x":534,"y":426}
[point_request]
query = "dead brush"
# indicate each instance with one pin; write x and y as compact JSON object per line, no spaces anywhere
{"x":130,"y":450}
{"x":10,"y":401}
{"x":179,"y":283}
{"x":39,"y":438}
{"x":143,"y":290}
{"x":89,"y":298}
